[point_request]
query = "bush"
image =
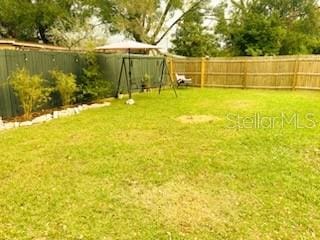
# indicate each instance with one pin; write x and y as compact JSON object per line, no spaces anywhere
{"x":92,"y":85}
{"x":146,"y":81}
{"x":30,"y":89}
{"x":65,"y":85}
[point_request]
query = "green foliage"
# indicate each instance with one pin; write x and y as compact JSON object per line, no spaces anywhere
{"x":30,"y":89}
{"x":268,"y":27}
{"x":31,"y":20}
{"x":192,"y":39}
{"x":65,"y":84}
{"x":92,"y":85}
{"x":146,"y":81}
{"x":146,"y":21}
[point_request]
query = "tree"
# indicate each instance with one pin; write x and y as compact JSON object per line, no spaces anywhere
{"x":192,"y":38}
{"x":76,"y":33}
{"x":269,"y":27}
{"x":145,"y":20}
{"x":31,"y":19}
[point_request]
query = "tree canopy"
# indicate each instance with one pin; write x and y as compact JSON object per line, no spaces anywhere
{"x":146,"y":21}
{"x":31,"y":20}
{"x":269,"y":27}
{"x":192,"y":38}
{"x":242,"y":27}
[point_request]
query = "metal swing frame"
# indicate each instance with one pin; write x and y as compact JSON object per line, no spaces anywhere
{"x":164,"y":71}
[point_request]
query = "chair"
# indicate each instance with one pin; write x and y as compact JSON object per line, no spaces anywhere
{"x":182,"y":80}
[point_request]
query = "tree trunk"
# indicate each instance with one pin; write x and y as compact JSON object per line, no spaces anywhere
{"x":42,"y":34}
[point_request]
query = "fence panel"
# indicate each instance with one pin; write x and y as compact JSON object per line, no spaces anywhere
{"x":281,"y":72}
{"x":140,"y":66}
{"x":41,"y":62}
{"x":5,"y":93}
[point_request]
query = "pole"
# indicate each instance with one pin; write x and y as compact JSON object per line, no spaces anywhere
{"x":120,"y":75}
{"x":130,"y":79}
{"x":125,"y":72}
{"x":171,"y":80}
{"x":161,"y":78}
{"x":164,"y":65}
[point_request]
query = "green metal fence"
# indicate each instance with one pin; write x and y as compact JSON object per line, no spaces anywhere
{"x":40,"y":62}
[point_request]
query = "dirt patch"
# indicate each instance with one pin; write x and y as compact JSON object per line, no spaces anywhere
{"x":196,"y":119}
{"x":186,"y":207}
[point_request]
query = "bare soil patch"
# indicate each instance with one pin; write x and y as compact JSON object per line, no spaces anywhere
{"x":186,"y":207}
{"x":194,"y":119}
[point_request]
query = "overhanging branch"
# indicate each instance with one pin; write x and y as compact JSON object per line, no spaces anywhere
{"x":177,"y":21}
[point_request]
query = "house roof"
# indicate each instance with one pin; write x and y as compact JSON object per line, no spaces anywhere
{"x":28,"y":45}
{"x":127,"y":45}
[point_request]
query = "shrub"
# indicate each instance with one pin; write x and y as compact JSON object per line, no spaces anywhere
{"x":30,"y":89}
{"x":146,"y":81}
{"x":92,"y":85}
{"x":65,"y":85}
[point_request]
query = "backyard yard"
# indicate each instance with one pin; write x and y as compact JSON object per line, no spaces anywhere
{"x":194,"y":167}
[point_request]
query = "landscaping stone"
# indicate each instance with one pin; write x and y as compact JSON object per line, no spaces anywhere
{"x":64,"y":113}
{"x":77,"y":110}
{"x":130,"y":101}
{"x":55,"y":114}
{"x":41,"y":119}
{"x":80,"y":108}
{"x":84,"y":106}
{"x":48,"y":117}
{"x":26,"y":123}
{"x":95,"y":105}
{"x":68,"y":112}
{"x":10,"y":125}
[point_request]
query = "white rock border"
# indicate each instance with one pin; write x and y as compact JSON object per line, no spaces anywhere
{"x":54,"y":115}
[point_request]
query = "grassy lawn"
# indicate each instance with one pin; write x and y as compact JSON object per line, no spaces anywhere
{"x":135,"y":172}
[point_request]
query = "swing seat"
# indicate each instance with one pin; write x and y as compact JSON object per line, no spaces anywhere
{"x":182,"y":80}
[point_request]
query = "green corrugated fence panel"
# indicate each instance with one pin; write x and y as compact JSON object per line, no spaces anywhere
{"x":40,"y":62}
{"x":5,"y":101}
{"x":109,"y":67}
{"x":140,"y":65}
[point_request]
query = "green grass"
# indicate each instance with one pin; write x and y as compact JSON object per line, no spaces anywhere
{"x":135,"y":172}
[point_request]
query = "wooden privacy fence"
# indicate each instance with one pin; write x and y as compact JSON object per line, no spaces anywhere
{"x":281,"y":72}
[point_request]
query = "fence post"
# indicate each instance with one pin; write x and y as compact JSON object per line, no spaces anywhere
{"x":203,"y":67}
{"x":295,"y":76}
{"x":245,"y":74}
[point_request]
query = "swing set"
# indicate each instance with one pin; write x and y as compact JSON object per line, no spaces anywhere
{"x":126,"y":71}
